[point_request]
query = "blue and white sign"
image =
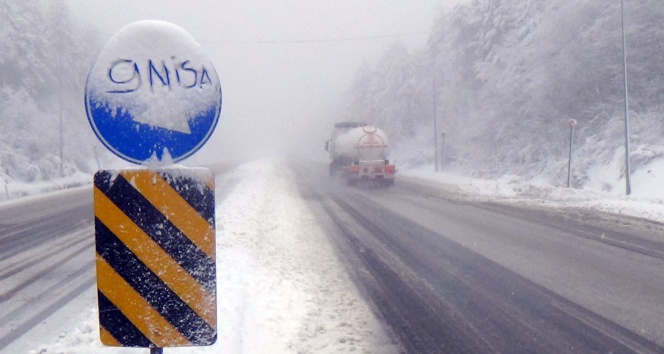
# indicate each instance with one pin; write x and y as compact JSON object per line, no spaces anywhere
{"x":153,"y":94}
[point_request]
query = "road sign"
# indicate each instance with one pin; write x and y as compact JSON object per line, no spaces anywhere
{"x":153,"y":93}
{"x":156,"y":270}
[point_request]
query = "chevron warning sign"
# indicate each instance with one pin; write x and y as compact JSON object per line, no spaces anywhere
{"x":156,"y":270}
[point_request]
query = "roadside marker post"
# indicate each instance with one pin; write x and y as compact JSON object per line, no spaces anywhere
{"x":153,"y":99}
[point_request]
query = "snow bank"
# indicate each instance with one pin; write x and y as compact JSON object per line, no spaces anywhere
{"x":289,"y":293}
{"x":604,"y":193}
{"x":15,"y":190}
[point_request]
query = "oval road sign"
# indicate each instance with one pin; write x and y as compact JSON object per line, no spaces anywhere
{"x":153,"y":93}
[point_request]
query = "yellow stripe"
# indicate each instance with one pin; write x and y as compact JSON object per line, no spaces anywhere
{"x":155,"y":258}
{"x":177,"y":210}
{"x":156,"y":328}
{"x":107,"y":338}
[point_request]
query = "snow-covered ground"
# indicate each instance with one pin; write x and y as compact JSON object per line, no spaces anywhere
{"x":282,"y":289}
{"x":12,"y":190}
{"x":602,"y":192}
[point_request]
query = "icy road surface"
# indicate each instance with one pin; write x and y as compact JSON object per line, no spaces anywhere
{"x":450,"y":274}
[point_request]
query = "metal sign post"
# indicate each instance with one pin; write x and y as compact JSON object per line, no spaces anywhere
{"x":572,"y":124}
{"x":442,"y":150}
{"x":153,"y":98}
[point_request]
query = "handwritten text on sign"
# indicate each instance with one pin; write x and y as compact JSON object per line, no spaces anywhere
{"x":153,"y":94}
{"x":127,"y":73}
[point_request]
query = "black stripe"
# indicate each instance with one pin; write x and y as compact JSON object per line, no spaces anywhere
{"x":160,"y":229}
{"x":151,"y":288}
{"x":195,"y":192}
{"x":104,"y":180}
{"x":119,"y":326}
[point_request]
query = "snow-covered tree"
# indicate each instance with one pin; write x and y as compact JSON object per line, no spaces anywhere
{"x":44,"y":58}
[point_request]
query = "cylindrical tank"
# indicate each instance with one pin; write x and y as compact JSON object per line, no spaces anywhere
{"x":357,"y":143}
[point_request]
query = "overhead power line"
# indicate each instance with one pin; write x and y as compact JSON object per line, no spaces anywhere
{"x":305,"y":41}
{"x":320,"y":40}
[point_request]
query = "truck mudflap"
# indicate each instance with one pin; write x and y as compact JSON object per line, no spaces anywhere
{"x":377,"y":171}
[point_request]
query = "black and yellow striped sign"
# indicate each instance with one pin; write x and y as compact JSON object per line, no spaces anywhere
{"x":156,"y":270}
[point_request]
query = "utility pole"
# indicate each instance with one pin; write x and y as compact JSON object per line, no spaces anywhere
{"x":628,"y":184}
{"x":62,"y":160}
{"x":435,"y":120}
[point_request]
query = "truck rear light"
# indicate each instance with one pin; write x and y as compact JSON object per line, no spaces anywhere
{"x":390,"y":169}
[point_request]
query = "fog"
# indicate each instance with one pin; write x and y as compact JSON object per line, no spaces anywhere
{"x":284,"y":66}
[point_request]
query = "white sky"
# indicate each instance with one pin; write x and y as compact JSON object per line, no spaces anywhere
{"x":281,"y":68}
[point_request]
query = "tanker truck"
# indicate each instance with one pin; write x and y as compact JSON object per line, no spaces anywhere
{"x":358,"y":153}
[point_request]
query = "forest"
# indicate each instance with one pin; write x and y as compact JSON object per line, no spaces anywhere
{"x":44,"y":61}
{"x":503,"y":78}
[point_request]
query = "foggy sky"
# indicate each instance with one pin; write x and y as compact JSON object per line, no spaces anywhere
{"x":283,"y":65}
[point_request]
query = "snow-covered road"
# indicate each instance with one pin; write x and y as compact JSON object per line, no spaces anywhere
{"x":281,"y":286}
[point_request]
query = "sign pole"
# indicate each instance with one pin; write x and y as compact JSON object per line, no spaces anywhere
{"x":442,"y":150}
{"x":154,"y":227}
{"x":572,"y":124}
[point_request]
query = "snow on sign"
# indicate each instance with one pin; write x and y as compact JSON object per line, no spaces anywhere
{"x":155,"y":257}
{"x":153,"y":93}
